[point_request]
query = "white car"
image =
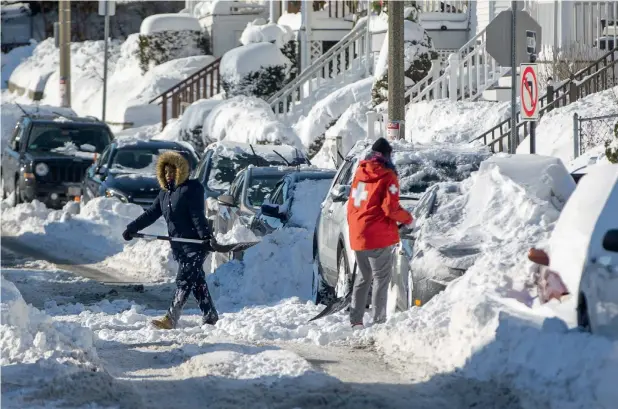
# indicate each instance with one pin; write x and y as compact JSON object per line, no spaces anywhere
{"x":418,"y":168}
{"x":583,"y":252}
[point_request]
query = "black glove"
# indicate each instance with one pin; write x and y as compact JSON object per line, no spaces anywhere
{"x":127,"y":235}
{"x":208,"y":245}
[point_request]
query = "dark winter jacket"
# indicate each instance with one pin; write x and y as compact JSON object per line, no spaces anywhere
{"x":182,"y":206}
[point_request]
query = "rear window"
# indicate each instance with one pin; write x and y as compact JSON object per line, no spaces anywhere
{"x":259,"y":187}
{"x":224,"y":168}
{"x":59,"y":137}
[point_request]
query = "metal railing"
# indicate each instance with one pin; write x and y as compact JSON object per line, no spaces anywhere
{"x":346,"y":58}
{"x":203,"y":84}
{"x":598,"y":76}
{"x":593,"y":131}
{"x":440,"y":6}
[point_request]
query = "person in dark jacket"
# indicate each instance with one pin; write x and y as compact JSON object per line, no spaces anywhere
{"x":181,"y":203}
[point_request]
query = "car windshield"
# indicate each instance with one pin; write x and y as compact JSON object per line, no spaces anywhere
{"x":64,"y":137}
{"x":143,"y":160}
{"x":416,"y":178}
{"x":224,"y":168}
{"x":260,"y":186}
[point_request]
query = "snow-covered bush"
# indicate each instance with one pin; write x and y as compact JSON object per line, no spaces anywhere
{"x":256,"y":69}
{"x":247,"y":120}
{"x":163,"y":46}
{"x":611,"y":147}
{"x":418,"y":54}
{"x":192,"y":123}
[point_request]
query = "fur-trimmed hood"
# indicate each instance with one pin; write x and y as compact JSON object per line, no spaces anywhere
{"x":176,"y":160}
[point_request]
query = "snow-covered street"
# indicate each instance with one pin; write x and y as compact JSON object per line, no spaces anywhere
{"x":130,"y":365}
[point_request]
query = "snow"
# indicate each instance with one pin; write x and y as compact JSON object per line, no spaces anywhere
{"x":169,"y":22}
{"x":194,"y":117}
{"x":237,"y":234}
{"x":33,"y":73}
{"x":226,"y":7}
{"x":446,"y":121}
{"x":243,"y":60}
{"x":491,"y":309}
{"x":12,"y":59}
{"x":330,"y":109}
{"x":247,"y":120}
{"x":266,"y":33}
{"x":95,"y":236}
{"x":308,"y":194}
{"x":554,"y":133}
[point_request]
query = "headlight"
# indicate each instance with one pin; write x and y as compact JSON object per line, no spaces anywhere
{"x":116,"y":194}
{"x":41,"y":169}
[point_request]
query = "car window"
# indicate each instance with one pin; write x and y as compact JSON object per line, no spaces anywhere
{"x":104,"y":159}
{"x":64,"y":137}
{"x":142,"y":160}
{"x":346,"y":174}
{"x":16,"y":137}
{"x":277,"y":196}
{"x":200,"y":172}
{"x":259,"y":187}
{"x":236,"y":187}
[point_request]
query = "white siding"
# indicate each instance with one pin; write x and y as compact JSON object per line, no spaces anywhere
{"x":482,"y":15}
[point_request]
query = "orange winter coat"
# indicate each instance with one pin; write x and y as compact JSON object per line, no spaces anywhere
{"x":373,"y":207}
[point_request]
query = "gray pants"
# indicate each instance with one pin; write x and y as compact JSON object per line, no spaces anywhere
{"x":377,"y":263}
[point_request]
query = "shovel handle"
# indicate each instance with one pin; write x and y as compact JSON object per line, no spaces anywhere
{"x":167,"y":238}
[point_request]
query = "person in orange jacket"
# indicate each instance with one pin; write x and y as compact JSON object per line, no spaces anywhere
{"x":373,"y":216}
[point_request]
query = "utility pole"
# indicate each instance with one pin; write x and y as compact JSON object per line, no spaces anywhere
{"x":396,"y":75}
{"x":64,"y":20}
{"x":513,"y":138}
{"x":106,"y":35}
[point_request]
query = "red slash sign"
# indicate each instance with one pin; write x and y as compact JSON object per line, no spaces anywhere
{"x":529,"y":92}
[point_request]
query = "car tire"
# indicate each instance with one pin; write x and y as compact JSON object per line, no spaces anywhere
{"x":344,"y":276}
{"x":321,"y":292}
{"x":583,"y":318}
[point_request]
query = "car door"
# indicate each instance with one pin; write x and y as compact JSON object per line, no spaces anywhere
{"x":333,"y":219}
{"x":93,"y":184}
{"x":227,"y":215}
{"x":10,"y":158}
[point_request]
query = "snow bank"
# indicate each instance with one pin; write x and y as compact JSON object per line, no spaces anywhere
{"x":266,"y":33}
{"x":554,"y":133}
{"x":93,"y":236}
{"x":446,"y":121}
{"x":279,"y":267}
{"x":169,"y":22}
{"x":329,"y":109}
{"x":33,"y":73}
{"x":13,"y":59}
{"x":491,"y":309}
{"x":44,"y":361}
{"x":243,"y":60}
{"x":247,"y":120}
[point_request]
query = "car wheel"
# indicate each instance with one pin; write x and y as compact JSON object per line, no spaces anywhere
{"x":321,"y":292}
{"x":344,"y":276}
{"x":583,"y":319}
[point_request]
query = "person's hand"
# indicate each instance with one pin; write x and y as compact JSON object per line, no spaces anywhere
{"x":127,"y":235}
{"x":208,"y":245}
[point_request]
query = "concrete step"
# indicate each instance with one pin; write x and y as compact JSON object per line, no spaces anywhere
{"x":498,"y":94}
{"x":505,"y":82}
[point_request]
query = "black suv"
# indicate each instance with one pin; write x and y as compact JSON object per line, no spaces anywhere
{"x":48,"y":155}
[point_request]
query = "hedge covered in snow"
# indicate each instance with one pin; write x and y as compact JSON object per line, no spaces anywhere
{"x":418,"y":54}
{"x":163,"y":46}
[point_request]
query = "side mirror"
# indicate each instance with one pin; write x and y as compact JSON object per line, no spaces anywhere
{"x":271,"y":211}
{"x":538,"y":256}
{"x":610,"y":241}
{"x":340,"y":193}
{"x":226,"y":200}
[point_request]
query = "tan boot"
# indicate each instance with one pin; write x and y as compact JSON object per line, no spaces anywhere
{"x":163,"y":323}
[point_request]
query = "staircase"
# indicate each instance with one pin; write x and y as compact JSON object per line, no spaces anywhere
{"x":203,"y":84}
{"x":598,"y":76}
{"x":346,"y":62}
{"x":470,"y":71}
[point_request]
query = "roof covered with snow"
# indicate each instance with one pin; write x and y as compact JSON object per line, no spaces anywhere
{"x":169,"y":22}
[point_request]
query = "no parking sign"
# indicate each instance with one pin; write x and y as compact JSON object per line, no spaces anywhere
{"x":529,"y":92}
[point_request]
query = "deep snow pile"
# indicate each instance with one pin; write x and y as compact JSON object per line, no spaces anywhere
{"x":247,"y":120}
{"x":554,"y":133}
{"x":488,"y":323}
{"x":12,"y":59}
{"x":93,"y":236}
{"x":446,"y":121}
{"x":266,"y":33}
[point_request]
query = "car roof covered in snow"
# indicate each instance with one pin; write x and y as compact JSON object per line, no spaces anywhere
{"x":151,"y":144}
{"x":57,"y":118}
{"x":312,"y":173}
{"x":230,"y":149}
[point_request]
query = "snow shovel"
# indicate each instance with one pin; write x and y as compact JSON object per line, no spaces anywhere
{"x":219,"y":248}
{"x":339,"y":303}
